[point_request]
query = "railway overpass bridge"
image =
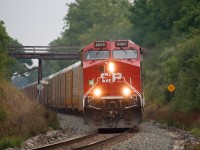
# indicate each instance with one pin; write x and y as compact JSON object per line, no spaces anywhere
{"x":45,"y":53}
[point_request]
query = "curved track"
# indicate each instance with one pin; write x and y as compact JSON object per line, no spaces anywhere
{"x":91,"y":141}
{"x":65,"y":143}
{"x":105,"y":141}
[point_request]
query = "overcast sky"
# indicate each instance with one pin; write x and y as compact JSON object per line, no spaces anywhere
{"x":33,"y":22}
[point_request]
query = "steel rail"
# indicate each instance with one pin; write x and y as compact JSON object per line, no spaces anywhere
{"x":66,"y":142}
{"x":106,"y":141}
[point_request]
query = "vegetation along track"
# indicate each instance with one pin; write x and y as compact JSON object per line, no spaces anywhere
{"x":91,"y":141}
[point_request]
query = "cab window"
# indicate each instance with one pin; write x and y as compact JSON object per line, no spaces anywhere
{"x":125,"y":54}
{"x":97,"y":54}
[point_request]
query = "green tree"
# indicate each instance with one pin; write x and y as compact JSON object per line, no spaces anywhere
{"x":9,"y":65}
{"x":170,"y":31}
{"x":91,"y":20}
{"x":4,"y":41}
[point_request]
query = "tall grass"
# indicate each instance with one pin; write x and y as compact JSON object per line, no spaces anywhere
{"x":163,"y":114}
{"x":20,"y":117}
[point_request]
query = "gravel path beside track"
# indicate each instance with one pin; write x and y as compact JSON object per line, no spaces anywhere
{"x":152,"y":136}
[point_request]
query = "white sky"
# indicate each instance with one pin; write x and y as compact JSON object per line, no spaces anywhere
{"x":33,"y":22}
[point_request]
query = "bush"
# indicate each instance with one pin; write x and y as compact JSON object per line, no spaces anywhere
{"x":21,"y":118}
{"x":10,"y":142}
{"x":3,"y":115}
{"x":164,"y":115}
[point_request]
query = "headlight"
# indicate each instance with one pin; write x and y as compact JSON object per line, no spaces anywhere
{"x":111,"y":67}
{"x":97,"y":92}
{"x":126,"y":91}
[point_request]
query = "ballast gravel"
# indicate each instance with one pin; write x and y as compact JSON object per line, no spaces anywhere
{"x":151,"y":136}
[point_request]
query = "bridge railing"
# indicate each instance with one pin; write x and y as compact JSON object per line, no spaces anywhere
{"x":45,"y":52}
{"x":44,"y":49}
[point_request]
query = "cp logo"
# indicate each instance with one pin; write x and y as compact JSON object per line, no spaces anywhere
{"x":107,"y":77}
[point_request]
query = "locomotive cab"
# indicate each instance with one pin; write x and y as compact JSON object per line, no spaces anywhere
{"x":112,"y":84}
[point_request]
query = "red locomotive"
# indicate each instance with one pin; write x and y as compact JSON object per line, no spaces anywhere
{"x":112,"y":84}
{"x":106,"y":86}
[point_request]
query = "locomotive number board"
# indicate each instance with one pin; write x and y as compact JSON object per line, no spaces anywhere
{"x":99,"y":44}
{"x":121,"y":43}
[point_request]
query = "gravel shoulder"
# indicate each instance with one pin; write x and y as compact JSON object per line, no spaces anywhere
{"x":151,"y":136}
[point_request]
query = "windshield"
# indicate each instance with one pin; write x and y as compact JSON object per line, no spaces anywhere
{"x":125,"y":54}
{"x":96,"y":55}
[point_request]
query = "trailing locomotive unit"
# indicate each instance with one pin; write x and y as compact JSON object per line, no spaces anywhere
{"x":112,"y":84}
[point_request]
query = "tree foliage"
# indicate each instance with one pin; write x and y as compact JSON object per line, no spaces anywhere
{"x":4,"y":41}
{"x":9,"y":65}
{"x":187,"y":96}
{"x":88,"y":21}
{"x":157,"y":21}
{"x":170,"y":31}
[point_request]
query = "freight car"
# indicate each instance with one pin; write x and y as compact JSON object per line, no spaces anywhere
{"x":63,"y":91}
{"x":106,"y":85}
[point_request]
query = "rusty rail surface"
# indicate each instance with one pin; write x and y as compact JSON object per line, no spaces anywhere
{"x":106,"y":141}
{"x":66,"y":142}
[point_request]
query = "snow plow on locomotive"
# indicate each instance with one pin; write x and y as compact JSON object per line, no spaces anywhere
{"x":105,"y":86}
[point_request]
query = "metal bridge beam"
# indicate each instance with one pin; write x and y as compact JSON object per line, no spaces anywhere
{"x":45,"y":56}
{"x":44,"y":53}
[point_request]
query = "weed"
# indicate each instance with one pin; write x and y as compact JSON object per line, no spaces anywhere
{"x":195,"y":131}
{"x":164,"y":115}
{"x":3,"y":115}
{"x":10,"y":142}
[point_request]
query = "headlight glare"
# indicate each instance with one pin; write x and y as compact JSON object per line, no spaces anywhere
{"x":111,"y":67}
{"x":126,"y":91}
{"x":97,"y":92}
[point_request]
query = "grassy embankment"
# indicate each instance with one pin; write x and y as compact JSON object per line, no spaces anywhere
{"x":163,"y":114}
{"x":21,"y":118}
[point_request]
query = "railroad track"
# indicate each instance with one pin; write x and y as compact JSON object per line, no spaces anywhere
{"x":66,"y":142}
{"x":90,"y":141}
{"x":105,"y":141}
